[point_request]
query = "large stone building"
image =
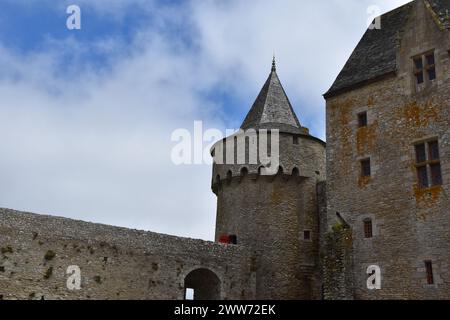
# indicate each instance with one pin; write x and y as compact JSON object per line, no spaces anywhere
{"x":282,"y":232}
{"x":388,"y":155}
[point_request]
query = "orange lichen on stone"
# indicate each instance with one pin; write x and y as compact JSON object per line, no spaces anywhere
{"x":417,"y":115}
{"x":427,"y":196}
{"x":364,"y":182}
{"x":366,"y":138}
{"x":344,"y":111}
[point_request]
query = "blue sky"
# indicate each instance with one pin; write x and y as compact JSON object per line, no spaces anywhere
{"x":88,"y":114}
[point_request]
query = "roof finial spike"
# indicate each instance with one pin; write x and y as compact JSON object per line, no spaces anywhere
{"x":274,"y":64}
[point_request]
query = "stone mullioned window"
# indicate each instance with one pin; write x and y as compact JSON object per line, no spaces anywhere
{"x":424,"y":69}
{"x":428,"y":164}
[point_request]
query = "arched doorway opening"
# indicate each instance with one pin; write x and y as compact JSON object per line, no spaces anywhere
{"x":202,"y":284}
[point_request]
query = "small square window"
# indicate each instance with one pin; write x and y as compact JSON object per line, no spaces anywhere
{"x":307,"y":235}
{"x":365,"y":168}
{"x":422,"y":175}
{"x":362,"y":119}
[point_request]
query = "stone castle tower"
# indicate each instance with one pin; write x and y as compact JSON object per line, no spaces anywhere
{"x":272,"y":213}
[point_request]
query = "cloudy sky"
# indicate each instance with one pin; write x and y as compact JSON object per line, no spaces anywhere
{"x":87,"y":115}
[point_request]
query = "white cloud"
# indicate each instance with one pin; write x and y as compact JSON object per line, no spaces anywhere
{"x":99,"y":149}
{"x":95,"y":145}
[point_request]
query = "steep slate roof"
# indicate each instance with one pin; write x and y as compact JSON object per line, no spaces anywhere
{"x":376,"y":53}
{"x":272,"y":109}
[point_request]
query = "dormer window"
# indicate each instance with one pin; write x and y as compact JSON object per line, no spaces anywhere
{"x":424,"y":68}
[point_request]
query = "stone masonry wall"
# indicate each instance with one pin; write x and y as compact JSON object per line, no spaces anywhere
{"x":116,"y":263}
{"x":337,"y":253}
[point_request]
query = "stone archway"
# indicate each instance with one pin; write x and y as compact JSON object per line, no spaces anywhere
{"x":204,"y":282}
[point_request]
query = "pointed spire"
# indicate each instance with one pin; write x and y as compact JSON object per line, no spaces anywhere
{"x":272,"y":109}
{"x":274,"y":64}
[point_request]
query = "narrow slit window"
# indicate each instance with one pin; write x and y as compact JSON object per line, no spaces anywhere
{"x":365,"y":168}
{"x":429,"y":270}
{"x":368,"y":229}
{"x":295,"y":140}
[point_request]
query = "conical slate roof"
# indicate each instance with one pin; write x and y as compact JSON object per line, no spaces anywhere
{"x":272,"y":109}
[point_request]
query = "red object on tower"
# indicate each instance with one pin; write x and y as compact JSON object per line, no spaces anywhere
{"x":225,"y":239}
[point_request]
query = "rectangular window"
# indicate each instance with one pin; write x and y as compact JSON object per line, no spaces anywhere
{"x":307,"y":235}
{"x":428,"y":165}
{"x":362,"y":119}
{"x":429,"y":270}
{"x":295,"y":140}
{"x":368,"y":232}
{"x":365,"y":168}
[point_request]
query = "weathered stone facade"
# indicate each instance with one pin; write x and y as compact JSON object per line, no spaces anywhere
{"x":411,"y":224}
